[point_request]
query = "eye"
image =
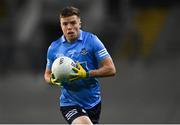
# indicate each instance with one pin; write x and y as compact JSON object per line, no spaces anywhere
{"x":73,"y":22}
{"x":65,"y":23}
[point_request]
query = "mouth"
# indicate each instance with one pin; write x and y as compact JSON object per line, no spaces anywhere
{"x":70,"y":33}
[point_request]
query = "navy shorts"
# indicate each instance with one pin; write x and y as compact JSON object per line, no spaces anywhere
{"x":72,"y":112}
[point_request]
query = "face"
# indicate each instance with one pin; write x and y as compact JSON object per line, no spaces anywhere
{"x":71,"y":27}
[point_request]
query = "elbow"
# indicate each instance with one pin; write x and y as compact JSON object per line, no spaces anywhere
{"x":113,"y":71}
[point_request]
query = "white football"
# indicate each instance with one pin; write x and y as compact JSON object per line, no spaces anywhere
{"x":62,"y":68}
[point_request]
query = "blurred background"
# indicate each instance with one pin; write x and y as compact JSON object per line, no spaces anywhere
{"x":142,"y":36}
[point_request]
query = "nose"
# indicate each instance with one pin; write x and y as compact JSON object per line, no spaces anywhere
{"x":69,"y":26}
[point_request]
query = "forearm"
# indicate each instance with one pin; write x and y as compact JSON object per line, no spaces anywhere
{"x":106,"y":69}
{"x":47,"y":76}
{"x":102,"y":72}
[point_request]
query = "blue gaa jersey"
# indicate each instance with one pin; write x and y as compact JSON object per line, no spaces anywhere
{"x":89,"y":51}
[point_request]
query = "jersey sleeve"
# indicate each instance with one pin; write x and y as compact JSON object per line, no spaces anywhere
{"x":99,"y":49}
{"x":49,"y":58}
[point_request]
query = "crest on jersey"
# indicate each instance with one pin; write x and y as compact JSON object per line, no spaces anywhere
{"x":83,"y":51}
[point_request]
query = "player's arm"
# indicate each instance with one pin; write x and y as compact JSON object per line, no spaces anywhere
{"x":106,"y":69}
{"x":47,"y":75}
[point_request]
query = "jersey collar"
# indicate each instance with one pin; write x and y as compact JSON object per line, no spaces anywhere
{"x":80,"y":38}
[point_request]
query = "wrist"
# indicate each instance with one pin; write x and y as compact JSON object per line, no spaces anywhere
{"x":87,"y":74}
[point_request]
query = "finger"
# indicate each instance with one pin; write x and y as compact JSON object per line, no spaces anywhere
{"x":78,"y":64}
{"x":54,"y":80}
{"x":73,"y":75}
{"x":72,"y":79}
{"x":58,"y":84}
{"x":75,"y":69}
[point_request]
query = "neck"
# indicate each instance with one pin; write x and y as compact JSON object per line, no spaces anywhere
{"x":72,"y":40}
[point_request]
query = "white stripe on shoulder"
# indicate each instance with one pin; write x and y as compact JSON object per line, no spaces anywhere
{"x":102,"y":50}
{"x":103,"y":54}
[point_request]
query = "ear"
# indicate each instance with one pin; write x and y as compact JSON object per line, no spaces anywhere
{"x":80,"y":23}
{"x":60,"y":21}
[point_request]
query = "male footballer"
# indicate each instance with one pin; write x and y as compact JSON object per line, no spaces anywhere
{"x":80,"y":99}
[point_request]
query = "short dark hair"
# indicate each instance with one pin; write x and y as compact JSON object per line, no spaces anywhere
{"x":70,"y":11}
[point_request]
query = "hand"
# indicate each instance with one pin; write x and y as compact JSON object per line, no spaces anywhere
{"x":54,"y":81}
{"x":80,"y":73}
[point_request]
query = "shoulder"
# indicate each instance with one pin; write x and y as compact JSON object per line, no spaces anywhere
{"x":54,"y":44}
{"x":89,"y":36}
